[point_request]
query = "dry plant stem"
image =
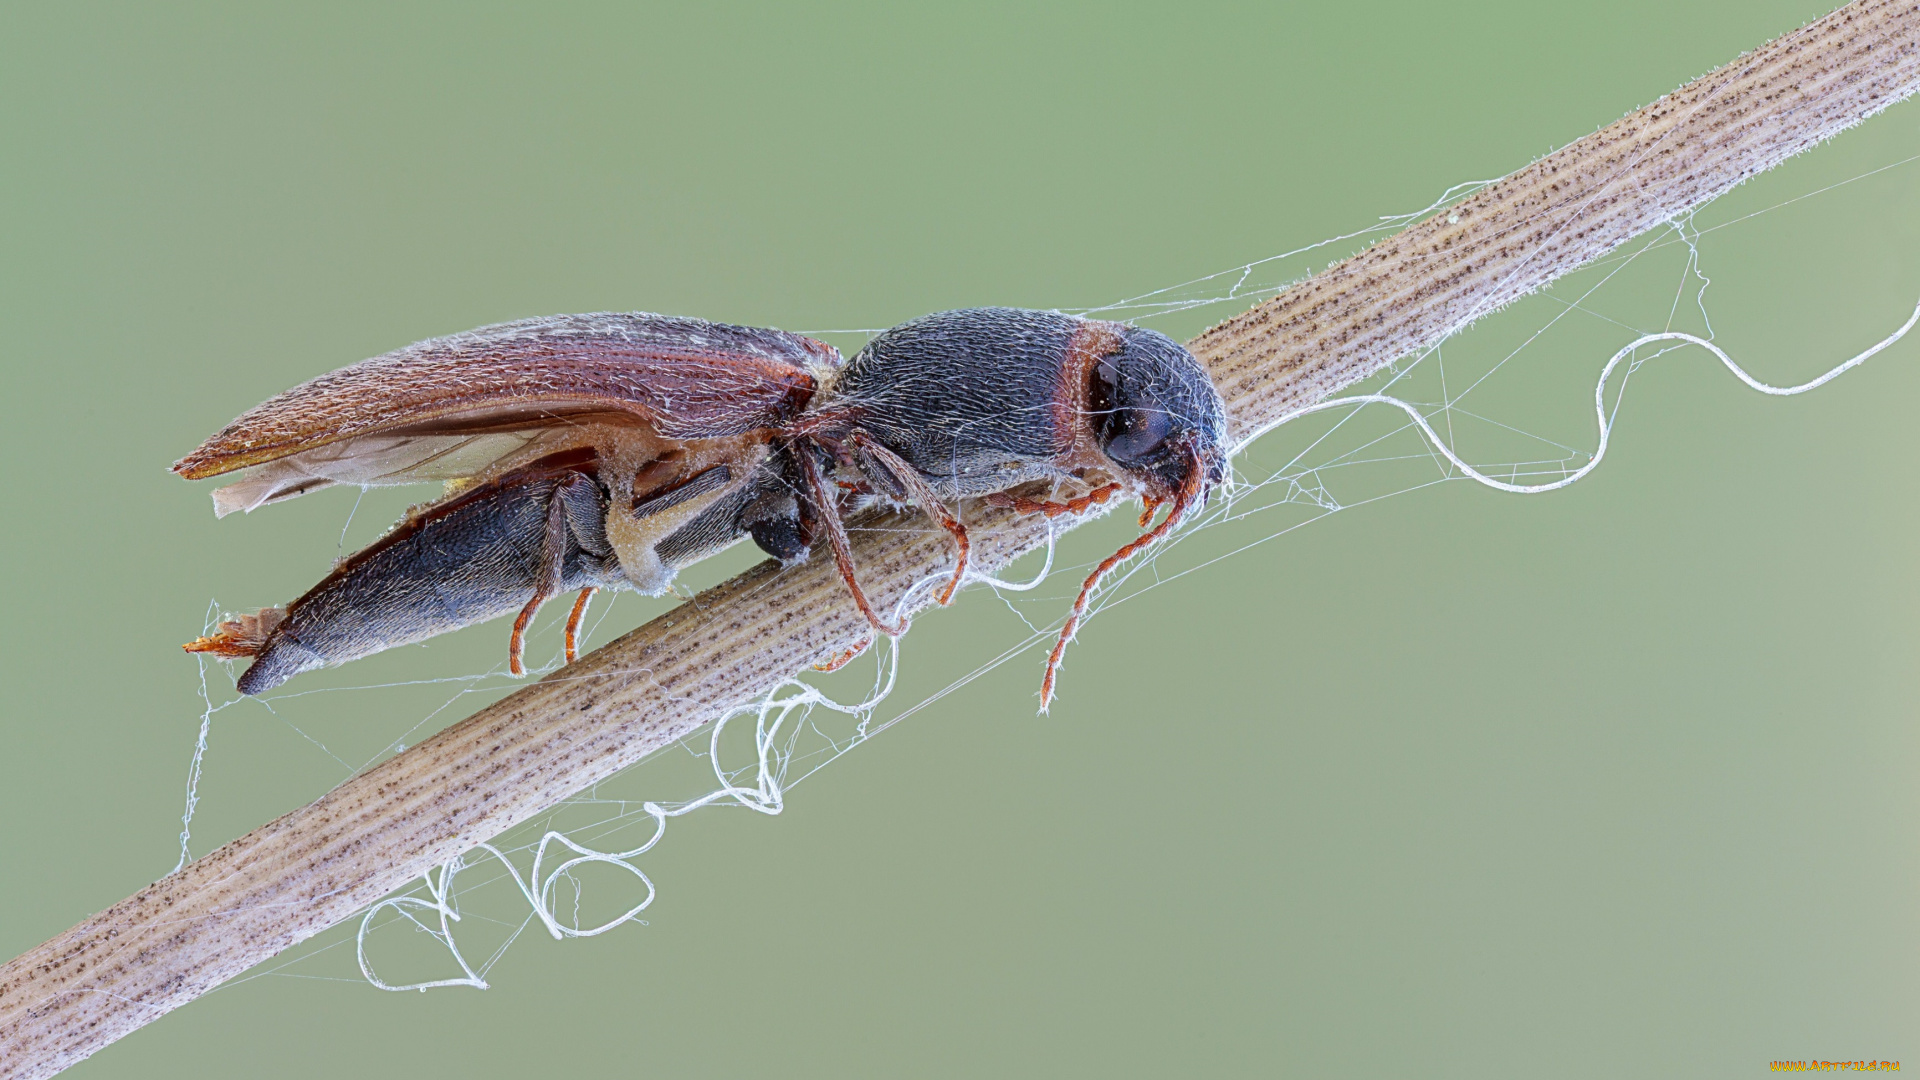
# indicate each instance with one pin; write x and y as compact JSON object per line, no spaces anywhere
{"x":293,"y":878}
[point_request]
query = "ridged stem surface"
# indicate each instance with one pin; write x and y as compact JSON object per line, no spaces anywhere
{"x":315,"y":867}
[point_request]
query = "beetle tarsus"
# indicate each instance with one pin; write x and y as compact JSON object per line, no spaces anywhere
{"x":1147,"y":506}
{"x":842,"y":659}
{"x":517,"y":641}
{"x":573,"y":621}
{"x":963,"y":549}
{"x":1080,"y":505}
{"x":553,"y":555}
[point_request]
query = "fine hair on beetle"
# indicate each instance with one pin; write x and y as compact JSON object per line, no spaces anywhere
{"x":607,"y":451}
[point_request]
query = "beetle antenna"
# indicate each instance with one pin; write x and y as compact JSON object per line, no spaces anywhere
{"x":1189,"y":495}
{"x":837,"y":539}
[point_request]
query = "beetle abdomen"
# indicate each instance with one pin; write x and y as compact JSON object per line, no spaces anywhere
{"x":475,"y":558}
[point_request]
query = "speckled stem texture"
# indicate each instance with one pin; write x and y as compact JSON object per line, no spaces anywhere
{"x":313,"y":868}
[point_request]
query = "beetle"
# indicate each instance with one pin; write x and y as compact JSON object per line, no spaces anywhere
{"x":607,"y":451}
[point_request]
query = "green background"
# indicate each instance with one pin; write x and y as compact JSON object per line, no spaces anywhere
{"x":1616,"y":781}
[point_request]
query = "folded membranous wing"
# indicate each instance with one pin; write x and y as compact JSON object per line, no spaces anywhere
{"x":435,"y":408}
{"x":590,"y":451}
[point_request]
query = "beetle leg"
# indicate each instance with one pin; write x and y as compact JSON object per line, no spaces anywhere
{"x":842,"y":659}
{"x":517,"y":641}
{"x":1148,"y":504}
{"x":573,"y":621}
{"x":837,"y":539}
{"x":553,"y":554}
{"x":913,"y":484}
{"x":1054,"y":509}
{"x":471,"y":558}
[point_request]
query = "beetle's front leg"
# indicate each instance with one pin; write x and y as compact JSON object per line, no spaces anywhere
{"x":1022,"y":504}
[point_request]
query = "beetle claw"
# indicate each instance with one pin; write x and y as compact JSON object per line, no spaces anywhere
{"x":842,"y":659}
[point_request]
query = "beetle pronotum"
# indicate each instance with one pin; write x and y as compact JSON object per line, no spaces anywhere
{"x":584,"y":452}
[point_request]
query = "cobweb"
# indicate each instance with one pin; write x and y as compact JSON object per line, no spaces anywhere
{"x":1492,"y":405}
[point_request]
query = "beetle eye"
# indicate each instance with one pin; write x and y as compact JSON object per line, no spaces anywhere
{"x":1135,"y":434}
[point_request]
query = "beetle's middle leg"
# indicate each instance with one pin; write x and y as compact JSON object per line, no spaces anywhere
{"x":828,"y":508}
{"x":910,"y":481}
{"x":466,"y":559}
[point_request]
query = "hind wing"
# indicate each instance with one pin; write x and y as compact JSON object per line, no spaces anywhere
{"x":444,"y":408}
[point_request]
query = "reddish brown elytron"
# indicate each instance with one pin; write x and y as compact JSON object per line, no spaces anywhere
{"x":606,"y":451}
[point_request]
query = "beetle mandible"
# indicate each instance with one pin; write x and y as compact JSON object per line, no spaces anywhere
{"x":585,"y":452}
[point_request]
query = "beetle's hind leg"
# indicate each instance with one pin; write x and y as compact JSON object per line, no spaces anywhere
{"x":471,"y":558}
{"x":573,"y":621}
{"x":553,"y":554}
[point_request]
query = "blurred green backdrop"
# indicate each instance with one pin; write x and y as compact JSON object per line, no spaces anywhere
{"x":1619,"y":779}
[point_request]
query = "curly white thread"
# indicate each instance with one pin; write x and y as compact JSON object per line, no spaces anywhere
{"x":435,"y":913}
{"x":1599,"y":401}
{"x":775,"y":713}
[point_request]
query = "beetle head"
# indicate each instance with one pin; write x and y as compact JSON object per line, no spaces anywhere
{"x":1157,"y":415}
